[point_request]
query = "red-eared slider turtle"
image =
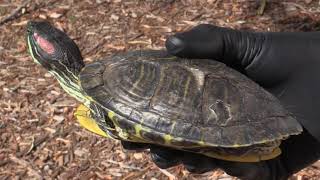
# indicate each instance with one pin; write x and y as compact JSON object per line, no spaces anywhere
{"x":149,"y":96}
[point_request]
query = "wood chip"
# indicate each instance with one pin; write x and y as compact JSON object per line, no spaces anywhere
{"x":55,"y":15}
{"x":58,"y":118}
{"x":114,"y":17}
{"x":26,"y":165}
{"x":147,"y":42}
{"x":80,"y":152}
{"x":169,"y":175}
{"x":138,"y":156}
{"x":308,"y":1}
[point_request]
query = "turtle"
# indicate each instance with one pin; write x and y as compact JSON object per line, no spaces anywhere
{"x":149,"y":96}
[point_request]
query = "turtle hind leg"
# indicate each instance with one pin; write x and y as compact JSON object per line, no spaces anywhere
{"x":84,"y":118}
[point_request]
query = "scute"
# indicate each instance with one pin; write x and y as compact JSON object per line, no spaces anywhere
{"x":152,"y":137}
{"x":127,"y":125}
{"x":193,"y":101}
{"x":177,"y":94}
{"x":131,"y":82}
{"x":91,"y":81}
{"x":180,"y":142}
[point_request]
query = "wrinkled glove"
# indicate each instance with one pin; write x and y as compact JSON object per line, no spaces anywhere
{"x":286,"y":64}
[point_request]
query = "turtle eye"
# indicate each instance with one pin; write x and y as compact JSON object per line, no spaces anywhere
{"x":44,"y":44}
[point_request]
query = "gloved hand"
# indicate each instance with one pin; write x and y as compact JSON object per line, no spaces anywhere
{"x":286,"y":64}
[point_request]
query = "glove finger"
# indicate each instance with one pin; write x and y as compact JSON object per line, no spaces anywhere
{"x":165,"y":157}
{"x":196,"y":163}
{"x":235,"y":48}
{"x":203,"y":41}
{"x":134,"y":146}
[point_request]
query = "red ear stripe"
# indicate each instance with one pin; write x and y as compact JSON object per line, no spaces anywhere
{"x":44,"y":44}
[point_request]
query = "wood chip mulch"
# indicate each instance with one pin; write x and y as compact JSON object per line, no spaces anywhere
{"x":39,"y":137}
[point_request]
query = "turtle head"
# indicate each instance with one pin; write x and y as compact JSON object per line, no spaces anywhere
{"x":53,"y":49}
{"x":56,"y":52}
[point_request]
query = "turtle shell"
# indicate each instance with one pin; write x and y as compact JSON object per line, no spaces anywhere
{"x":151,"y":96}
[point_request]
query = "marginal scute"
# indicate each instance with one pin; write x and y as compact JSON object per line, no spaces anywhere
{"x":180,"y":142}
{"x":125,"y":110}
{"x":152,"y":137}
{"x":177,"y":141}
{"x":237,"y":135}
{"x":213,"y":136}
{"x":138,"y":128}
{"x":167,"y":138}
{"x":126,"y":125}
{"x":195,"y":133}
{"x":150,"y":119}
{"x":136,"y":116}
{"x":165,"y":125}
{"x":182,"y":129}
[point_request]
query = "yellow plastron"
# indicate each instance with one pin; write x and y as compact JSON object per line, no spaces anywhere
{"x":83,"y":116}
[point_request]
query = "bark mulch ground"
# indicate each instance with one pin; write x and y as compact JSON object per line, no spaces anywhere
{"x":39,"y":137}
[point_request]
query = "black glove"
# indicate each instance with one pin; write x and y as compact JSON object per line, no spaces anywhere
{"x":286,"y":64}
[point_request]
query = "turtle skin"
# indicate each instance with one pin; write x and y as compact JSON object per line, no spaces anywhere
{"x":194,"y":105}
